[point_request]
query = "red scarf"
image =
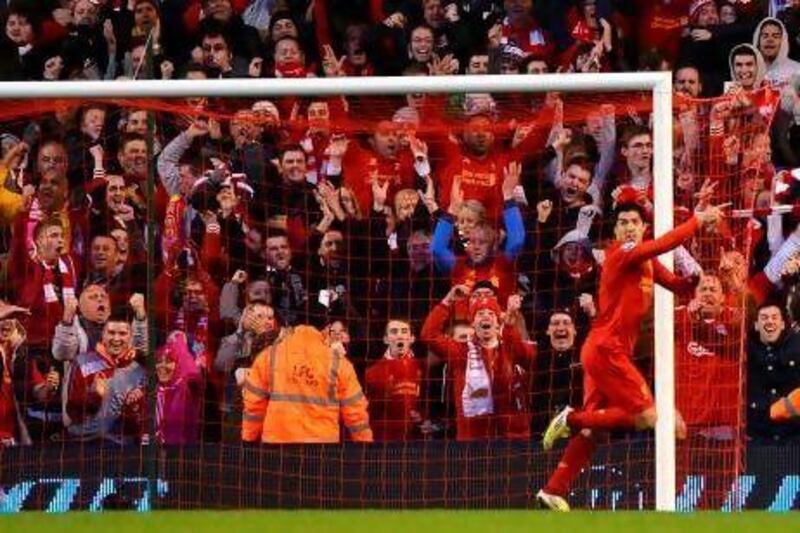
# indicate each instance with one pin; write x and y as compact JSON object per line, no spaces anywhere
{"x":120,"y":361}
{"x":197,"y":336}
{"x":173,"y":237}
{"x":67,"y":272}
{"x":290,"y":69}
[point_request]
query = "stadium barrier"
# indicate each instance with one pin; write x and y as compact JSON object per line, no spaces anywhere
{"x":413,"y":475}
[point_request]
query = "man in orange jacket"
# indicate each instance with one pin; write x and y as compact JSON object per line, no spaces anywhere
{"x":299,"y":388}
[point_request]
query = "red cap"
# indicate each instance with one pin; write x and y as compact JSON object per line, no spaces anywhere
{"x":484,"y":303}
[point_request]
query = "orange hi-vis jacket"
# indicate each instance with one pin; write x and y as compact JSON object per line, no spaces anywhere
{"x":297,"y":389}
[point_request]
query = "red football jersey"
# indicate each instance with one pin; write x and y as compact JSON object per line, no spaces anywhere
{"x":707,"y":368}
{"x":626,"y":287}
{"x":392,"y":387}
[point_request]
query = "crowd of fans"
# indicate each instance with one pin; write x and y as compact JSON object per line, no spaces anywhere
{"x":446,"y":250}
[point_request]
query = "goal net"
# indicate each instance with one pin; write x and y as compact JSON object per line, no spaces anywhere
{"x":162,"y":235}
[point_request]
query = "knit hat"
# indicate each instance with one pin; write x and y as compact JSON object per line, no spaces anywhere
{"x":484,"y":303}
{"x":695,"y":7}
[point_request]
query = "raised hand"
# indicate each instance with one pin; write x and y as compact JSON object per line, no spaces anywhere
{"x":332,"y":66}
{"x":731,"y":147}
{"x":586,"y":302}
{"x":428,"y":196}
{"x":444,"y":66}
{"x":711,"y":215}
{"x":707,"y":190}
{"x":418,"y":148}
{"x":53,"y":380}
{"x":380,"y":193}
{"x":337,"y":147}
{"x":136,"y":302}
{"x":543,"y":210}
{"x":70,"y":309}
{"x":198,"y":128}
{"x":239,"y":277}
{"x":108,"y":34}
{"x":456,"y":197}
{"x":395,"y":20}
{"x":562,"y":140}
{"x":512,"y":309}
{"x":511,"y":175}
{"x":457,"y":292}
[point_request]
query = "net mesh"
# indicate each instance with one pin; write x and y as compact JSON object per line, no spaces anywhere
{"x":233,"y":218}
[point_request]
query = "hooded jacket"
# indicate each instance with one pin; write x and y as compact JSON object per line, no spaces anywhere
{"x":178,"y":400}
{"x":761,"y":66}
{"x":780,"y":71}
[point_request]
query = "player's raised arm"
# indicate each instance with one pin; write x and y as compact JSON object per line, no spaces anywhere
{"x":630,"y":228}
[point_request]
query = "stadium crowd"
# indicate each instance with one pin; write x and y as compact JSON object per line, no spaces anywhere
{"x":436,"y":263}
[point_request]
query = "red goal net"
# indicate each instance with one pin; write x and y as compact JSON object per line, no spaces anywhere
{"x":170,"y":257}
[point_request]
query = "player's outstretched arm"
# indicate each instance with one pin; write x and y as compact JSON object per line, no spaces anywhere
{"x":707,"y":217}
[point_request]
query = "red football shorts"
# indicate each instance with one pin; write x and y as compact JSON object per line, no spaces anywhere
{"x":610,"y":379}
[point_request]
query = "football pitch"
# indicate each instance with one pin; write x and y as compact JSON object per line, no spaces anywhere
{"x":405,"y":521}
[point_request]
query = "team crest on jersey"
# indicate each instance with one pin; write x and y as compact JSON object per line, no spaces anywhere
{"x":698,"y":350}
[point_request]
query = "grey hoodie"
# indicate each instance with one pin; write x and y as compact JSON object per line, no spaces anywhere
{"x":761,"y":66}
{"x":779,"y":72}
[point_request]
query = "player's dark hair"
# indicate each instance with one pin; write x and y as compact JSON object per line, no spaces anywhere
{"x":627,"y":207}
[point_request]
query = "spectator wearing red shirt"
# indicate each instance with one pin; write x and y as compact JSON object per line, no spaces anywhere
{"x":381,"y":159}
{"x":707,"y":368}
{"x":393,"y":386}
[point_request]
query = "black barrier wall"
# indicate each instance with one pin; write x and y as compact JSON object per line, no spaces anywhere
{"x":436,"y":475}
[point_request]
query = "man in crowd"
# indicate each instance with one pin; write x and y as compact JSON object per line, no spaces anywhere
{"x":393,"y":386}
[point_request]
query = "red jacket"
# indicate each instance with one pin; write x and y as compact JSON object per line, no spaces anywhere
{"x":510,"y":418}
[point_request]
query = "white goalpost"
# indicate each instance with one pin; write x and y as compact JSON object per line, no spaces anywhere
{"x":658,"y":83}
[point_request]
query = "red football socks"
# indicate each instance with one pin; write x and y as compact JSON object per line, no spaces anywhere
{"x":577,"y":455}
{"x":611,"y":418}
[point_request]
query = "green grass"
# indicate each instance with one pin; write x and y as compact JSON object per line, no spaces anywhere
{"x":406,"y":522}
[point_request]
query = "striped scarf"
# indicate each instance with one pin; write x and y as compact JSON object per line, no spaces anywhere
{"x":67,"y":272}
{"x":476,"y":398}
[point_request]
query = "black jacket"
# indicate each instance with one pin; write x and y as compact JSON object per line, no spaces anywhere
{"x":773,"y":371}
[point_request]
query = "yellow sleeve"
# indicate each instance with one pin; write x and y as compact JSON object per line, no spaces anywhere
{"x":10,"y":202}
{"x":353,"y":404}
{"x":255,"y":393}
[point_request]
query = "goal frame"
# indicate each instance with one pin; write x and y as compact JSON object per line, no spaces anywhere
{"x":658,"y":83}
